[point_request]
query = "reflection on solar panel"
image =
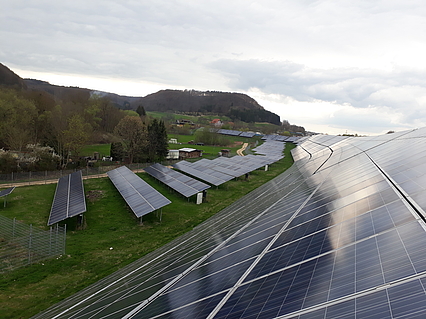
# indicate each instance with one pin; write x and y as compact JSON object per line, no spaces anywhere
{"x":181,"y":183}
{"x":69,"y":200}
{"x":6,"y":191}
{"x":341,"y":234}
{"x":139,"y":195}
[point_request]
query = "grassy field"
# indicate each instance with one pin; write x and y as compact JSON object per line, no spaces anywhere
{"x":102,"y":149}
{"x":210,"y":151}
{"x":109,"y":223}
{"x":166,"y":115}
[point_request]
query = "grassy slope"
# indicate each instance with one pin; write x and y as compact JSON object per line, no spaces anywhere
{"x":29,"y":290}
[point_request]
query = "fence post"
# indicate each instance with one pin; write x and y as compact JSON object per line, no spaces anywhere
{"x":65,"y":238}
{"x":50,"y":240}
{"x":45,"y":177}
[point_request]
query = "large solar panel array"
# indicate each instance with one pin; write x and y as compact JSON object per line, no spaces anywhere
{"x":141,"y":197}
{"x":341,"y":234}
{"x":181,"y":183}
{"x":69,"y":200}
{"x":221,"y":170}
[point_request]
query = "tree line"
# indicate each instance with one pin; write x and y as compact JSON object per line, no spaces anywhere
{"x":35,"y":127}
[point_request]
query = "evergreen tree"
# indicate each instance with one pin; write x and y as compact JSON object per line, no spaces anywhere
{"x":157,"y":141}
{"x":141,"y":110}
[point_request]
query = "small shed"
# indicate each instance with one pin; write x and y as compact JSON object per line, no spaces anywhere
{"x":225,"y":152}
{"x":173,"y":154}
{"x":188,"y":152}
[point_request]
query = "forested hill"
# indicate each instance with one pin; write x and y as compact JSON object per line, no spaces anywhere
{"x":237,"y":106}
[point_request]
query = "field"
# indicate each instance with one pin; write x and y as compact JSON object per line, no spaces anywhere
{"x":111,"y":239}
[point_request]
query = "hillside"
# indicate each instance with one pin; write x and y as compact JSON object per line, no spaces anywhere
{"x":10,"y":80}
{"x":237,"y":106}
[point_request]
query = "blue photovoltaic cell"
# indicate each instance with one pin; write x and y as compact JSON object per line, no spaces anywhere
{"x":207,"y":175}
{"x":6,"y":191}
{"x":341,"y":234}
{"x":139,"y":195}
{"x":181,"y":183}
{"x":69,"y":200}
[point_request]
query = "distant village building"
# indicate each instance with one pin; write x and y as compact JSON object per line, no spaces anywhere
{"x":183,"y":122}
{"x":216,"y":122}
{"x":173,"y":141}
{"x":187,"y":152}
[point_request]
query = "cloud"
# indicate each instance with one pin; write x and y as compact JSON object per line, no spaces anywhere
{"x":401,"y":91}
{"x":359,"y":56}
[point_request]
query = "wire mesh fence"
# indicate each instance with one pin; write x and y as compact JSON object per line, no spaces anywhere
{"x":22,"y":244}
{"x":46,"y":177}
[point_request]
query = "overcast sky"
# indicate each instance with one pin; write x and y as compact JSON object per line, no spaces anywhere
{"x":338,"y":66}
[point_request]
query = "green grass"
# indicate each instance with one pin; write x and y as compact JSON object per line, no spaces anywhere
{"x":174,"y":116}
{"x":210,"y":151}
{"x":102,"y":149}
{"x":109,"y":223}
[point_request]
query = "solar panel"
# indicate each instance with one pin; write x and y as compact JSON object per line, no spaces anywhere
{"x":229,"y":132}
{"x":139,"y":195}
{"x":6,"y":191}
{"x":69,"y":200}
{"x":209,"y":166}
{"x":341,"y":234}
{"x":247,"y":134}
{"x":206,"y":175}
{"x":181,"y":183}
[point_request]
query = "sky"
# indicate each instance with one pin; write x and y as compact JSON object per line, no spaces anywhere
{"x":331,"y":66}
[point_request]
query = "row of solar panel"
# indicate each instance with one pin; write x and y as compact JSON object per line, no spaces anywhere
{"x":223,"y":169}
{"x":141,"y":197}
{"x":271,"y":137}
{"x":332,"y":237}
{"x":69,"y":200}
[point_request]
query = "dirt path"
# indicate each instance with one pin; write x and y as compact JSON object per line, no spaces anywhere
{"x":54,"y":181}
{"x":241,"y":150}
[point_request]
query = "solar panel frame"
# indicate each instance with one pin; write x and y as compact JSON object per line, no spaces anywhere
{"x":141,"y":197}
{"x":183,"y":184}
{"x":7,"y":191}
{"x":69,"y":200}
{"x":208,"y":176}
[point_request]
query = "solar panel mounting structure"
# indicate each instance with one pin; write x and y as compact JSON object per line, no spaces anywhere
{"x":340,"y":234}
{"x":69,"y":200}
{"x":4,"y":193}
{"x":141,"y":197}
{"x":208,"y":165}
{"x":206,"y":175}
{"x":183,"y":184}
